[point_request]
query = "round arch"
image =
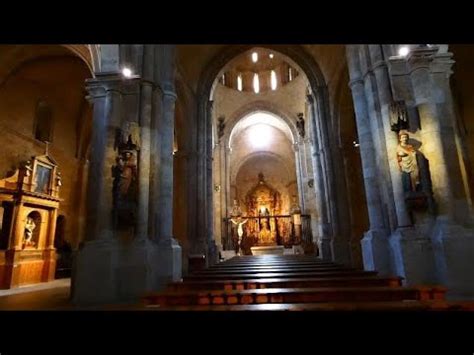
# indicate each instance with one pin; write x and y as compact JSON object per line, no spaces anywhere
{"x":321,"y":119}
{"x":254,"y":107}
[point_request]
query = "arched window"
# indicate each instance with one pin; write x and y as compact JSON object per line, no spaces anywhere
{"x":254,"y":57}
{"x":239,"y":82}
{"x":256,"y":83}
{"x":273,"y":80}
{"x":43,"y":122}
{"x":290,"y":74}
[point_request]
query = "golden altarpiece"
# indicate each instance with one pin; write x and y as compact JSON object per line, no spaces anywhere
{"x":29,"y":200}
{"x":264,"y":223}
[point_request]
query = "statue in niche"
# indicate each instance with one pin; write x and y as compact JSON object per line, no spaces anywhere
{"x":125,"y":187}
{"x":29,"y":228}
{"x":220,"y":127}
{"x":398,"y":116}
{"x":300,"y":124}
{"x":408,"y":164}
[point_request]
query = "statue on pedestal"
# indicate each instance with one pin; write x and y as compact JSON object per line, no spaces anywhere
{"x":408,"y":164}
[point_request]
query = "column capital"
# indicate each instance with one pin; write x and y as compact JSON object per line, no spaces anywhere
{"x":102,"y":83}
{"x":442,"y":63}
{"x":421,"y":58}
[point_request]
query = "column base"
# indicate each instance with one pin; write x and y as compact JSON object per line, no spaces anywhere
{"x":94,"y":276}
{"x":454,"y":258}
{"x":340,"y":250}
{"x":412,"y":257}
{"x":212,"y":253}
{"x":325,"y":250}
{"x":167,"y":265}
{"x":135,"y":277}
{"x":376,"y":252}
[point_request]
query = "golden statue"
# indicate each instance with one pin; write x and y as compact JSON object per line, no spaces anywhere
{"x":265,"y":236}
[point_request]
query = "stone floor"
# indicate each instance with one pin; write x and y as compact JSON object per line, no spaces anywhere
{"x":46,"y":296}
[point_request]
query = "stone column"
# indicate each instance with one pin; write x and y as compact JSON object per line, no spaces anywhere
{"x":375,"y":243}
{"x":212,"y":253}
{"x":144,"y":163}
{"x":434,"y":129}
{"x":298,"y":149}
{"x":323,"y":237}
{"x":409,"y":248}
{"x":453,"y":232}
{"x":382,"y":80}
{"x":94,"y":278}
{"x":169,"y":251}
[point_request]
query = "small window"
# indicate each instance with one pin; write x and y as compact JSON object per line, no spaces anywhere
{"x":290,"y":74}
{"x":256,"y":83}
{"x":273,"y":80}
{"x":239,"y":82}
{"x":43,"y":122}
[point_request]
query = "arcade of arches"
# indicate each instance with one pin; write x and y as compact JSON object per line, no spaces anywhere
{"x":137,"y":160}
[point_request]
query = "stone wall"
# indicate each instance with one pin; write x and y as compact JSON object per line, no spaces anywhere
{"x":60,"y":82}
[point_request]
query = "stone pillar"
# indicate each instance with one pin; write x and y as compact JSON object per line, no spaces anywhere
{"x":144,"y":168}
{"x":411,"y":251}
{"x":211,"y":251}
{"x":323,"y":235}
{"x":453,"y":233}
{"x":94,"y":278}
{"x":298,"y":149}
{"x":375,"y":248}
{"x":169,"y":263}
{"x":136,"y":277}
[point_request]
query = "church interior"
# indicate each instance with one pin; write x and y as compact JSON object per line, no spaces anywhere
{"x":237,"y":177}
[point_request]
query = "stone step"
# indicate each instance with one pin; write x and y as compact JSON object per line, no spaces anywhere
{"x":236,"y":266}
{"x":369,"y":281}
{"x":251,"y":270}
{"x":432,"y":305}
{"x":314,"y":274}
{"x":296,"y":295}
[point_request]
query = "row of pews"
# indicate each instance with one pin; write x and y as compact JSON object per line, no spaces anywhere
{"x":292,"y":282}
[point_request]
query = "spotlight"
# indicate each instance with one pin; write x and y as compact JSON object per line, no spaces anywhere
{"x":127,"y":72}
{"x":403,"y":51}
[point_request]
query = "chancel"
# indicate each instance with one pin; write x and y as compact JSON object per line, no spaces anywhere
{"x":237,"y":177}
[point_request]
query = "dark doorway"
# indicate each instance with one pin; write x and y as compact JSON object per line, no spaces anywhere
{"x":63,"y":250}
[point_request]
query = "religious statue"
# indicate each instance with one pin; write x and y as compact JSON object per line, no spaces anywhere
{"x":236,"y":214}
{"x":58,"y":179}
{"x":408,"y":164}
{"x":265,"y":236}
{"x":300,"y":125}
{"x":29,"y":228}
{"x":125,"y":184}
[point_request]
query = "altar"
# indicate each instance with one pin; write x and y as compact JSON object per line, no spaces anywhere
{"x":264,"y":225}
{"x":268,"y":250}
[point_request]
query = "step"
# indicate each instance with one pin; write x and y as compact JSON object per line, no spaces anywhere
{"x":237,"y":265}
{"x":432,"y":305}
{"x":274,"y":270}
{"x":296,"y":295}
{"x":368,"y":281}
{"x":316,"y":274}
